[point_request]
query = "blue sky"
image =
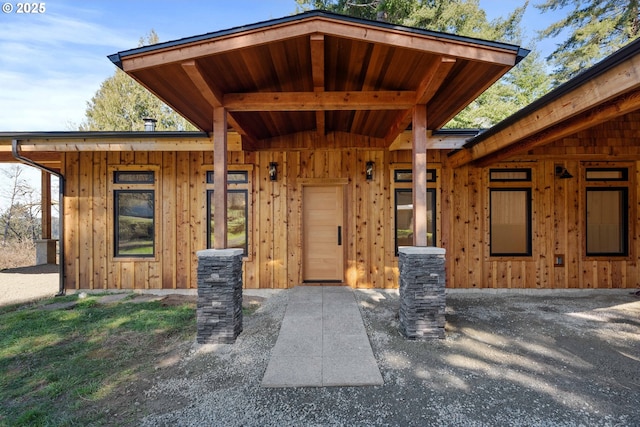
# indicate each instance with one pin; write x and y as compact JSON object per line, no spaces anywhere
{"x":52,"y":63}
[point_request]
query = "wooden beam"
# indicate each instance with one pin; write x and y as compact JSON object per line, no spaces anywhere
{"x":350,"y":30}
{"x":207,"y":88}
{"x":419,"y":131}
{"x":404,"y":141}
{"x":428,"y":87}
{"x":312,"y":101}
{"x":219,"y":178}
{"x":317,"y":60}
{"x":202,"y":82}
{"x":317,"y":72}
{"x":53,"y":147}
{"x":434,"y":79}
{"x":611,"y":84}
{"x":41,"y":157}
{"x":615,"y":108}
{"x":45,"y":204}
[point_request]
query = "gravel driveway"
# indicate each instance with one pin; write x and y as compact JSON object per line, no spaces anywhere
{"x":513,"y":360}
{"x":28,"y":283}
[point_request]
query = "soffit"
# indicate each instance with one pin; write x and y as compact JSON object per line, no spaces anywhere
{"x":319,"y":72}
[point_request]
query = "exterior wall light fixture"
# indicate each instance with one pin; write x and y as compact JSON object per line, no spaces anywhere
{"x":562,"y":172}
{"x":369,"y":171}
{"x":273,"y":171}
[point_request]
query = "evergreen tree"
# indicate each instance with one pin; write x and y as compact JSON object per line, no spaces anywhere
{"x":597,"y":29}
{"x":121,"y":104}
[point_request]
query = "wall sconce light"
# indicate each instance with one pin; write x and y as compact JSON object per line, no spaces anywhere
{"x":368,"y":172}
{"x":562,"y":172}
{"x":273,"y":171}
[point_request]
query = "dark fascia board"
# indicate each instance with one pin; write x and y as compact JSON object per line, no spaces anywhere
{"x":457,"y":132}
{"x":116,"y":58}
{"x":625,"y":53}
{"x":74,"y":135}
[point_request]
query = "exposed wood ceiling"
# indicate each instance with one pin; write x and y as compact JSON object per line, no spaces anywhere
{"x":319,"y":72}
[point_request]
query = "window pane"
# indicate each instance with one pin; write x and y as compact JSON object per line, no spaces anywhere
{"x":606,"y":221}
{"x":135,"y":223}
{"x":406,"y":175}
{"x":233,"y":177}
{"x":510,"y":222}
{"x":133,"y":177}
{"x":510,"y":175}
{"x":607,"y":174}
{"x":237,"y":224}
{"x":404,"y":217}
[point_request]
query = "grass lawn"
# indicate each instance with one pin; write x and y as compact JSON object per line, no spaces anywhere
{"x":63,"y":367}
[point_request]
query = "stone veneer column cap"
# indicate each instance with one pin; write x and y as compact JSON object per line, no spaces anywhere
{"x":421,"y":250}
{"x":210,"y":253}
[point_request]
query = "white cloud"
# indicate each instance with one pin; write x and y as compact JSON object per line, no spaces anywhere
{"x":50,"y":66}
{"x":54,"y":29}
{"x":46,"y":103}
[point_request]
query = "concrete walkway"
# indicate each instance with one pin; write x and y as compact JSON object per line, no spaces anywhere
{"x":322,"y":342}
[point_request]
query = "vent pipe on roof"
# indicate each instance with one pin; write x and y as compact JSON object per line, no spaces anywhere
{"x":149,"y":124}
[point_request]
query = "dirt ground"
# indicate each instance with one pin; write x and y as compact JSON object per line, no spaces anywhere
{"x":552,"y":359}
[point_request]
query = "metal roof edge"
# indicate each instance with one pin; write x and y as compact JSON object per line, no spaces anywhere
{"x":623,"y":54}
{"x":117,"y":57}
{"x":454,"y":131}
{"x":103,"y":135}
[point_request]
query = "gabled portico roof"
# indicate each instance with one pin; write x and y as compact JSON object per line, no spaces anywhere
{"x":319,"y":72}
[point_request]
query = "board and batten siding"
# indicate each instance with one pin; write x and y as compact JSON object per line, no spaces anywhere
{"x":275,"y":214}
{"x":558,"y":216}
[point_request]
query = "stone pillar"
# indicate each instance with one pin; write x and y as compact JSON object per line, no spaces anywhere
{"x":219,"y":309}
{"x":46,"y":251}
{"x":422,"y":292}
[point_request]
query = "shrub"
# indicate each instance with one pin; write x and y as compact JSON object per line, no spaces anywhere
{"x":17,"y":253}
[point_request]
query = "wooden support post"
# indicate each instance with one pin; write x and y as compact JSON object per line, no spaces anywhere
{"x":45,"y":205}
{"x":219,"y":178}
{"x":419,"y":138}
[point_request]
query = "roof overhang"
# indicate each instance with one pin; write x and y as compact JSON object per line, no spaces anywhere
{"x":319,"y":72}
{"x":606,"y":91}
{"x":48,"y":147}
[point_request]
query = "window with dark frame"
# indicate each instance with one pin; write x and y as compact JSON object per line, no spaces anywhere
{"x":606,"y":211}
{"x":133,"y":177}
{"x":233,"y":177}
{"x":134,"y":223}
{"x":510,"y":221}
{"x":403,"y":207}
{"x":406,"y":175}
{"x":404,"y":217}
{"x":607,"y":225}
{"x":238,"y":208}
{"x":237,"y":219}
{"x":510,"y":175}
{"x":607,"y":174}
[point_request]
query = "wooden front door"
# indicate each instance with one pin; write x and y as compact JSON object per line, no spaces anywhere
{"x":323,"y":233}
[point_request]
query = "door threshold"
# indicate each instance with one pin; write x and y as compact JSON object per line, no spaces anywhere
{"x":324,"y":283}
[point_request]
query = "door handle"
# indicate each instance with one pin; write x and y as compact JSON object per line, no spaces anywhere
{"x":339,"y":235}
